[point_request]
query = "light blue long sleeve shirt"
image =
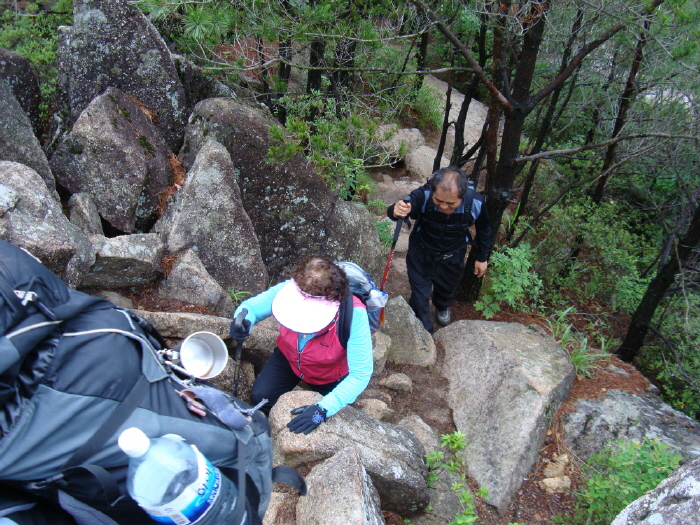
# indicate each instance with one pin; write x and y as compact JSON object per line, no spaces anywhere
{"x":359,"y":351}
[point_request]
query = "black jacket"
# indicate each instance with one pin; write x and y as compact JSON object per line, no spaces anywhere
{"x":444,"y":234}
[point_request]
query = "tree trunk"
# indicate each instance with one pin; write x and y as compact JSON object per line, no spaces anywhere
{"x":506,"y":169}
{"x":264,"y":75}
{"x":445,"y":127}
{"x":498,"y":193}
{"x":341,"y":80}
{"x":458,"y":148}
{"x":456,"y":158}
{"x":469,"y":288}
{"x":421,"y":58}
{"x":313,"y":81}
{"x":639,"y":326}
{"x":595,"y":116}
{"x":625,"y":101}
{"x":479,"y":162}
{"x":546,"y":127}
{"x":405,"y":63}
{"x":284,"y":72}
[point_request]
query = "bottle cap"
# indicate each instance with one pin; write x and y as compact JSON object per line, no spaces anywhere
{"x":134,"y":442}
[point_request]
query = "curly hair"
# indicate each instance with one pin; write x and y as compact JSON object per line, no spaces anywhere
{"x":320,"y":277}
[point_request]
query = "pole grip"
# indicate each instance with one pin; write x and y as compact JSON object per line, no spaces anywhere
{"x":238,"y":322}
{"x":407,"y":200}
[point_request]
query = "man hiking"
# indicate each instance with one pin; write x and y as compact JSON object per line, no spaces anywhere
{"x":444,"y":209}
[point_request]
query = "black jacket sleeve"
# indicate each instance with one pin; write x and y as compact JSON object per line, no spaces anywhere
{"x":483,"y":240}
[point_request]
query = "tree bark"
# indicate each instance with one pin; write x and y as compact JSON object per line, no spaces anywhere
{"x":421,"y":58}
{"x":639,"y":326}
{"x":498,"y":193}
{"x":546,"y":127}
{"x":313,"y":81}
{"x":456,"y":158}
{"x":506,"y":169}
{"x":445,"y":127}
{"x":625,"y":101}
{"x":341,"y":81}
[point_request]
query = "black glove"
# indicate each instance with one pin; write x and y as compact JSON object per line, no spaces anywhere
{"x":310,"y":416}
{"x":240,"y":329}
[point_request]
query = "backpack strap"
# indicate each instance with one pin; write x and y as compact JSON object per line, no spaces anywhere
{"x":345,"y":320}
{"x":8,"y":292}
{"x":290,"y":477}
{"x":111,"y":425}
{"x":240,"y":507}
{"x":468,"y":199}
{"x":75,"y":467}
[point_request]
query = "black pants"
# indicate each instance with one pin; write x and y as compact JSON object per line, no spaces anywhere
{"x":430,"y":272}
{"x":277,"y":378}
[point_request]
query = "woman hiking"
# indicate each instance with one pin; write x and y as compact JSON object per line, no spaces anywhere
{"x":308,"y":348}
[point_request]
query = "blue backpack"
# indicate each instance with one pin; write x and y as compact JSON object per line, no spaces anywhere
{"x":361,"y":286}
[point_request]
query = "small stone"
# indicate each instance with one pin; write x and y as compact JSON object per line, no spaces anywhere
{"x":618,"y":370}
{"x":555,"y":485}
{"x":399,"y":382}
{"x":375,"y":408}
{"x":554,"y":470}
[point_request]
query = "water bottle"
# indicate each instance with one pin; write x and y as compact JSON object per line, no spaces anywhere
{"x":174,"y":483}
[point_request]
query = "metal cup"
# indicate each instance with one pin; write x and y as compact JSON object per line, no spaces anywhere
{"x":203,"y":355}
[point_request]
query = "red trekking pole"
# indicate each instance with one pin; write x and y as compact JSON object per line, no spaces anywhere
{"x":397,"y":231}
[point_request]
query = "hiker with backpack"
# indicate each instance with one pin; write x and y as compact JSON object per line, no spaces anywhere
{"x":444,"y":209}
{"x":309,"y":348}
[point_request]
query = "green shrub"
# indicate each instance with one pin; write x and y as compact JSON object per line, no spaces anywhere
{"x":339,"y":147}
{"x":510,"y":281}
{"x":674,"y":363}
{"x":452,"y":462}
{"x":614,"y":254}
{"x":618,"y":475}
{"x":385,"y":230}
{"x":33,"y":34}
{"x":428,"y":108}
{"x":584,"y":359}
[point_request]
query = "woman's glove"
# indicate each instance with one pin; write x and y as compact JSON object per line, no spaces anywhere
{"x":308,"y":418}
{"x":240,"y":327}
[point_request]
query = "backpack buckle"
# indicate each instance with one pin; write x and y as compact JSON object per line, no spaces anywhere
{"x":42,"y":484}
{"x":27,"y":297}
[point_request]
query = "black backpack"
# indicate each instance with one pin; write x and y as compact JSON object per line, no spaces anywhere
{"x":75,"y":371}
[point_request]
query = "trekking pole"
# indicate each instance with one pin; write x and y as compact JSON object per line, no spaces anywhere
{"x":397,"y":231}
{"x":238,"y":324}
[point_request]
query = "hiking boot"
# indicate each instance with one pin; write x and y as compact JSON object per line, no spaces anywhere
{"x":443,"y":317}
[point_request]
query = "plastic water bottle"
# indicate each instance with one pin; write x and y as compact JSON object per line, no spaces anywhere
{"x":174,"y":483}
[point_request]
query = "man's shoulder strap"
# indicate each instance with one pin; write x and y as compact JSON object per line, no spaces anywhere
{"x":468,"y":199}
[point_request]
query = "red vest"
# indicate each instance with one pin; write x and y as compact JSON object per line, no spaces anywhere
{"x":323,"y":359}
